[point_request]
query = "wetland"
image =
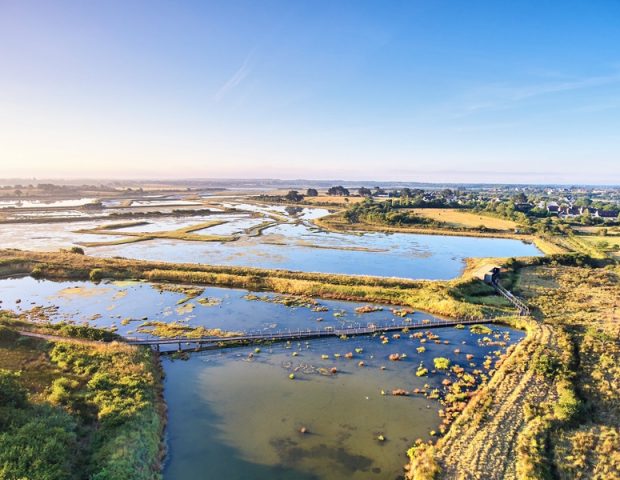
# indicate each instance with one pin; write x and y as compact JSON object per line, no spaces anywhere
{"x":240,"y":412}
{"x":267,"y":236}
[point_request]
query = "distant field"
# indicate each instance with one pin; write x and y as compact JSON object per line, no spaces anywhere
{"x":463,"y":219}
{"x":333,"y":199}
{"x":595,"y":240}
{"x":596,"y":230}
{"x":612,"y":240}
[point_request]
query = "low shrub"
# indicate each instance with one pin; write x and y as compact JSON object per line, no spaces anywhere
{"x":8,"y":334}
{"x":547,"y":365}
{"x":96,"y":275}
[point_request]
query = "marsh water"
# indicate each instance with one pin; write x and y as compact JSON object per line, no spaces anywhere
{"x":298,"y":247}
{"x":237,"y":413}
{"x":292,"y":242}
{"x":237,"y":417}
{"x":125,"y":306}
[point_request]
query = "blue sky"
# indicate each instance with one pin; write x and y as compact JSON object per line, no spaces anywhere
{"x":417,"y":90}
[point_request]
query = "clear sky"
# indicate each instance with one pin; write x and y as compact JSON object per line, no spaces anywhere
{"x":494,"y":91}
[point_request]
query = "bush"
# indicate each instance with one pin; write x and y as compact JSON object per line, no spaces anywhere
{"x":42,"y":447}
{"x":37,"y":271}
{"x":62,"y":390}
{"x":12,"y":394}
{"x":547,"y":365}
{"x":8,"y":334}
{"x":423,"y":463}
{"x":96,"y":275}
{"x":532,"y":444}
{"x":77,"y":250}
{"x":480,"y":329}
{"x":86,"y":332}
{"x":568,"y":405}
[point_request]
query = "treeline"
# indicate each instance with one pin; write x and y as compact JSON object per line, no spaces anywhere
{"x":383,"y":213}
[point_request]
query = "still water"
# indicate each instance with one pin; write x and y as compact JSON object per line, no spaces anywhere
{"x":235,"y":417}
{"x":293,"y":244}
{"x":299,"y":247}
{"x":237,"y":413}
{"x":125,"y":306}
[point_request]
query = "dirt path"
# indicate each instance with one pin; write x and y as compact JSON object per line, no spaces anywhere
{"x":58,"y":338}
{"x":488,"y":450}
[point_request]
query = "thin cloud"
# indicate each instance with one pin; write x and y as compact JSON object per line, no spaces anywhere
{"x":495,"y":97}
{"x":237,"y":78}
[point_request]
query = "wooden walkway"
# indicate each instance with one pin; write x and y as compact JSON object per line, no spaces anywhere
{"x":203,"y":343}
{"x":519,"y":304}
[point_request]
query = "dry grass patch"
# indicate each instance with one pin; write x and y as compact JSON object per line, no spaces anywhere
{"x":464,"y":219}
{"x":552,"y":409}
{"x":333,"y":199}
{"x":605,"y":243}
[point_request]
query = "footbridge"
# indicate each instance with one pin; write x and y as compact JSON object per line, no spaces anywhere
{"x":204,"y":343}
{"x":519,"y":304}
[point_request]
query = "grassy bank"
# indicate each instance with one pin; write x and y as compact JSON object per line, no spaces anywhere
{"x":551,"y":410}
{"x":77,"y":409}
{"x":583,"y":441}
{"x":186,"y":234}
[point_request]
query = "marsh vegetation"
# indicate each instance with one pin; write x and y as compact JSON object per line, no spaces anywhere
{"x":77,"y":409}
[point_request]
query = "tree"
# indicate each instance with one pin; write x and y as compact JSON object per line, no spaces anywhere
{"x":294,"y":196}
{"x":364,"y":192}
{"x":312,"y":192}
{"x":338,"y":190}
{"x":583,"y":202}
{"x":586,"y":218}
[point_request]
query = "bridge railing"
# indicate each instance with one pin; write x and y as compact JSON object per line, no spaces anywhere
{"x":306,"y":333}
{"x":524,"y":310}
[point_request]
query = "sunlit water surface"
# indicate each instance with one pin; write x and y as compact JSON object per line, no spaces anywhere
{"x":296,"y":245}
{"x":236,"y":413}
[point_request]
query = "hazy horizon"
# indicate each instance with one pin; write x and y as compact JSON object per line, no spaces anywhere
{"x":420,"y":91}
{"x":282,"y":182}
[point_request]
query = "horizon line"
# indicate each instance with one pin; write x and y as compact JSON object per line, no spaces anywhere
{"x":306,"y":180}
